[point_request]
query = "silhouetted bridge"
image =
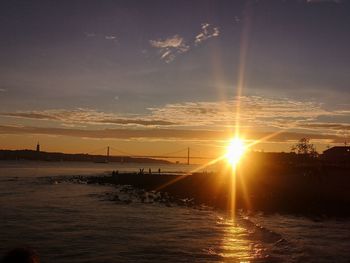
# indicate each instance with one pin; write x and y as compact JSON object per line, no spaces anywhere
{"x":172,"y":155}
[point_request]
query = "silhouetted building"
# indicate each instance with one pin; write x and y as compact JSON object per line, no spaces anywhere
{"x":38,"y":147}
{"x":337,"y":154}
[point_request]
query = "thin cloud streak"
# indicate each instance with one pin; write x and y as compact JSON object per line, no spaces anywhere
{"x":111,"y":37}
{"x":166,"y":134}
{"x":86,"y":116}
{"x":256,"y":113}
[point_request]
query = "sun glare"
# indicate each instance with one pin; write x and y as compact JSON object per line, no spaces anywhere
{"x":235,"y":151}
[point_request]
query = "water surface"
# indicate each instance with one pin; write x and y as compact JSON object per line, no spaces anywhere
{"x":69,"y":222}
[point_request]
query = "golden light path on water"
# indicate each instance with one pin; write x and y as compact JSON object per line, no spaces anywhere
{"x":236,"y":246}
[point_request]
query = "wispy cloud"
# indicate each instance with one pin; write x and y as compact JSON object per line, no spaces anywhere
{"x":208,"y":31}
{"x":2,"y":90}
{"x":170,"y":47}
{"x":256,"y":114}
{"x":165,"y":134}
{"x":254,"y":111}
{"x":93,"y":35}
{"x":86,"y":116}
{"x":336,"y":128}
{"x":111,"y":37}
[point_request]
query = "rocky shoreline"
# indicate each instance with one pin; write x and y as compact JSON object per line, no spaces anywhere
{"x":268,"y":194}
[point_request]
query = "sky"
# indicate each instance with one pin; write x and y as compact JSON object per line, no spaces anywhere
{"x":150,"y":77}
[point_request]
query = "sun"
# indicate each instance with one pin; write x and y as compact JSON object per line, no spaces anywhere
{"x":235,"y":151}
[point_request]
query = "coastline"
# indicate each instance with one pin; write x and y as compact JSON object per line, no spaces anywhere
{"x":296,"y":195}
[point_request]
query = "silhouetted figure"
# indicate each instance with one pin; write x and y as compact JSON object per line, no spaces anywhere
{"x":159,"y":170}
{"x":21,"y":255}
{"x":149,"y":171}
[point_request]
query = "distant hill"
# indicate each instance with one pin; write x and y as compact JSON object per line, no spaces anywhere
{"x":57,"y":156}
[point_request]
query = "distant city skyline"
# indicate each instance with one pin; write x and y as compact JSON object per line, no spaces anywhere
{"x":149,"y":76}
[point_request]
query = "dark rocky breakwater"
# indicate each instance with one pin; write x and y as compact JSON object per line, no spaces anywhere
{"x":270,"y":191}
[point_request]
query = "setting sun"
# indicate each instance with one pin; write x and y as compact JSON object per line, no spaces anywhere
{"x":235,"y":150}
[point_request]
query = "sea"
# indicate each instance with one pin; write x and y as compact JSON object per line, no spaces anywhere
{"x":68,"y":221}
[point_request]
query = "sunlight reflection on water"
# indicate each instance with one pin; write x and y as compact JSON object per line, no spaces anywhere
{"x":236,"y":245}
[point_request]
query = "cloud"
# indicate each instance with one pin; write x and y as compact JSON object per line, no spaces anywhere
{"x":86,"y":116}
{"x":207,"y":32}
{"x":256,"y":113}
{"x":171,"y":42}
{"x":106,"y":37}
{"x":137,"y":122}
{"x":111,"y":37}
{"x":2,"y":90}
{"x":30,"y":115}
{"x":165,"y":134}
{"x":338,"y":128}
{"x":170,"y":47}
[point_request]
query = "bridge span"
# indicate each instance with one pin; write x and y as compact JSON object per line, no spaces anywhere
{"x":172,"y":155}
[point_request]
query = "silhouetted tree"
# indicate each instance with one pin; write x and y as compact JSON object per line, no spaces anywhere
{"x":304,"y":147}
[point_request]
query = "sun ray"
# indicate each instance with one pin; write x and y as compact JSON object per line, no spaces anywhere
{"x":244,"y":189}
{"x":191,"y":172}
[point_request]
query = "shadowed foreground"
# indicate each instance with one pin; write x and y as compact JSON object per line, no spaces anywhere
{"x":303,"y":189}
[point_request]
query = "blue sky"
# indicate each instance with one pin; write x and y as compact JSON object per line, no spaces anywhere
{"x":174,"y":65}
